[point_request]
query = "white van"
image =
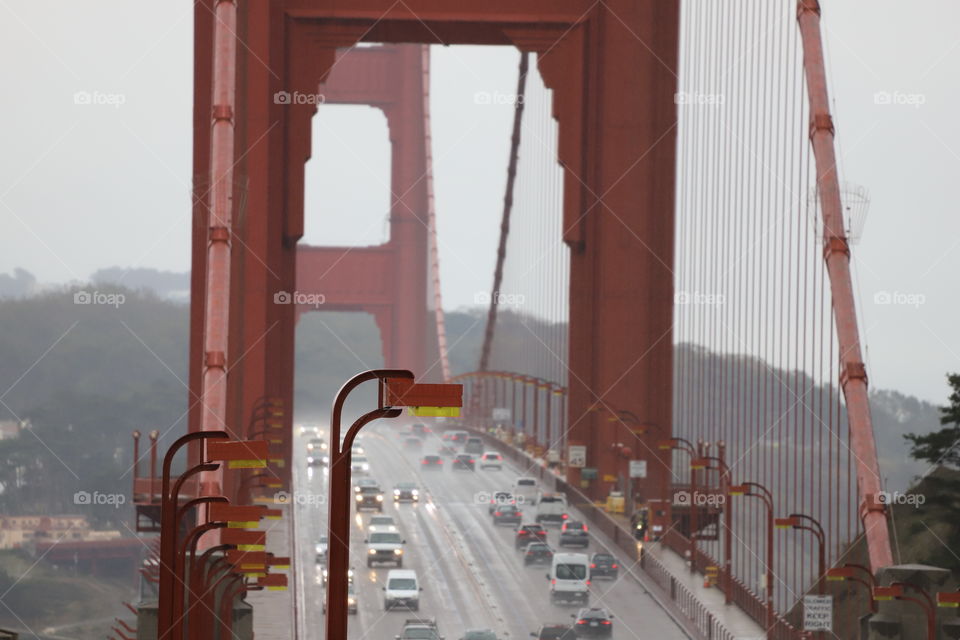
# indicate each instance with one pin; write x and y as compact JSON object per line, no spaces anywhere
{"x":402,"y":590}
{"x":525,"y":491}
{"x":551,"y":508}
{"x":569,"y":578}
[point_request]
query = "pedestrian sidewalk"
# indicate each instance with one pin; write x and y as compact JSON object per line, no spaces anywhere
{"x":274,"y":613}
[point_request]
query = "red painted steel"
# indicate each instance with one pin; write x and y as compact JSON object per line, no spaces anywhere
{"x":837,"y":256}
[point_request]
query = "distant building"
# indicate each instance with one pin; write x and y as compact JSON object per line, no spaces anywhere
{"x":20,"y":531}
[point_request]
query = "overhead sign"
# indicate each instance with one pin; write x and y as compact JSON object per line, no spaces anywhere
{"x":501,"y":414}
{"x":818,"y":613}
{"x":588,"y":473}
{"x":577,"y":455}
{"x":638,"y":468}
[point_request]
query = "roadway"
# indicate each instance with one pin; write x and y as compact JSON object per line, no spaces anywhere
{"x":471,"y":575}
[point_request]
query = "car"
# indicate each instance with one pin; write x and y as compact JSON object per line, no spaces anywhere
{"x":447,"y":449}
{"x":507,"y":514}
{"x":320,"y":548}
{"x":603,"y":565}
{"x":351,"y":600}
{"x":364,"y":482}
{"x":593,"y":622}
{"x":479,"y":634}
{"x":525,"y":488}
{"x":552,"y":508}
{"x":413,"y":443}
{"x":491,"y":460}
{"x":420,"y":629}
{"x":316,"y":444}
{"x":537,"y":553}
{"x":385,"y":547}
{"x":382,"y":522}
{"x":473,"y":445}
{"x":310,"y":430}
{"x":555,"y":631}
{"x":573,"y":533}
{"x":527,"y":533}
{"x":431,"y":463}
{"x":420,"y":429}
{"x":464,"y":461}
{"x":349,"y":575}
{"x":317,"y":459}
{"x":369,"y":498}
{"x":402,"y":589}
{"x":359,"y":465}
{"x":499,"y":499}
{"x":458,"y":437}
{"x":406,"y":492}
{"x":357,"y":450}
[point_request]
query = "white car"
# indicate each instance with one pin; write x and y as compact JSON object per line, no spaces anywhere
{"x":402,"y":590}
{"x":382,"y":523}
{"x":385,"y":547}
{"x":320,"y":547}
{"x":359,"y":465}
{"x":525,"y":490}
{"x":491,"y":460}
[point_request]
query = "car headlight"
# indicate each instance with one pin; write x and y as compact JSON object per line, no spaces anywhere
{"x":309,"y":459}
{"x":324,"y":446}
{"x":398,"y":552}
{"x":371,"y":551}
{"x":351,"y":601}
{"x":415,"y":492}
{"x":365,"y":466}
{"x":396,"y":492}
{"x":379,"y":498}
{"x":359,"y":498}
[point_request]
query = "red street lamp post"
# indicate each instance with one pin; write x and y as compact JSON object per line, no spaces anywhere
{"x":896,"y":592}
{"x":804,"y":522}
{"x":849,"y":572}
{"x":395,"y":390}
{"x":704,"y":463}
{"x":685,"y":445}
{"x":757,"y":490}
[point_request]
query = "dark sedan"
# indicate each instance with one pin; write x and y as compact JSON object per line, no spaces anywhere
{"x":603,"y":565}
{"x":464,"y":461}
{"x":593,"y":622}
{"x":528,"y":533}
{"x":507,"y":514}
{"x":537,"y":553}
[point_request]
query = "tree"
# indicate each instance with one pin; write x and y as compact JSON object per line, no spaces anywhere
{"x":941,"y":447}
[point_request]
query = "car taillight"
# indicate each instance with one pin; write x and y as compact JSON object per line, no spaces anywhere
{"x":470,"y":461}
{"x":604,"y":622}
{"x":496,"y":513}
{"x":585,"y":528}
{"x":588,"y":583}
{"x":554,"y":581}
{"x":581,"y":621}
{"x":564,"y":516}
{"x":613,"y":566}
{"x":424,"y":462}
{"x":593,"y":566}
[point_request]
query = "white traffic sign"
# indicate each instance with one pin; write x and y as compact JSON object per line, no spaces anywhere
{"x":577,"y":456}
{"x":818,"y":613}
{"x":638,"y":468}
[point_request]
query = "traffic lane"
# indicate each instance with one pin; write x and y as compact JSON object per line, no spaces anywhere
{"x":637,"y":612}
{"x":433,"y":550}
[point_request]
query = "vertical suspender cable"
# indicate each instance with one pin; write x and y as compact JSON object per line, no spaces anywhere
{"x":507,"y":207}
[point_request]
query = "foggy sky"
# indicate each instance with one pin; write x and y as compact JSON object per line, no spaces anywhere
{"x":87,"y":186}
